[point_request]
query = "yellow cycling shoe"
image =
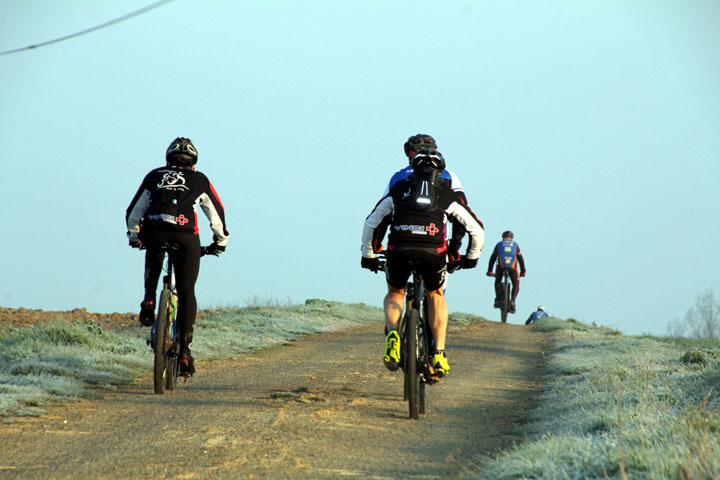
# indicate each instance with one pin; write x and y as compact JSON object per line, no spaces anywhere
{"x":391,"y":359}
{"x":440,"y":364}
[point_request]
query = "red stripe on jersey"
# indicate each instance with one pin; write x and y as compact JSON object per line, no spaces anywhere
{"x":212,"y":189}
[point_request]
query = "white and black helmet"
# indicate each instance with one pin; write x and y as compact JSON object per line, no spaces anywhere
{"x":181,"y":152}
{"x":428,"y":157}
{"x":541,"y":307}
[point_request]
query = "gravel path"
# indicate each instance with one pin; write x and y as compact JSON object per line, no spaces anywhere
{"x":321,"y":407}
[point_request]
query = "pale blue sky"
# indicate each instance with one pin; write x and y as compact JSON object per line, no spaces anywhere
{"x":590,"y":129}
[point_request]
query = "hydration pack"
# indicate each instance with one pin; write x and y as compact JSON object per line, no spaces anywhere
{"x":507,"y":253}
{"x":425,"y":186}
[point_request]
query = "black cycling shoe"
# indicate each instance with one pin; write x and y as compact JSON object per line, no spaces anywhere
{"x":186,"y":366}
{"x":497,"y":303}
{"x":147,"y":313}
{"x":511,"y":307}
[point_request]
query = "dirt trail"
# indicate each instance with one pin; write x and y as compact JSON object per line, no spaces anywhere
{"x":322,"y":407}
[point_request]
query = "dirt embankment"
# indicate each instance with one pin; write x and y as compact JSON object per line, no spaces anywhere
{"x":321,"y":407}
{"x":21,"y":317}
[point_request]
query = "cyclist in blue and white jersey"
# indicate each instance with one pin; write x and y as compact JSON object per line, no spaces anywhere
{"x":536,"y":315}
{"x":416,"y":209}
{"x":413,"y":145}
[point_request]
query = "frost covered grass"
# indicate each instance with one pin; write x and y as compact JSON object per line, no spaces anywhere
{"x":620,"y":407}
{"x":61,"y":361}
{"x":226,"y":333}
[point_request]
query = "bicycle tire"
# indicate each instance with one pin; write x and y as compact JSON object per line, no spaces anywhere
{"x":505,"y":303}
{"x":160,"y":343}
{"x":170,"y":374}
{"x":403,"y":355}
{"x":172,"y":356}
{"x":412,"y":379}
{"x":424,"y":354}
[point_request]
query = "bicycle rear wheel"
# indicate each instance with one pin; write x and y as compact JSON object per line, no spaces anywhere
{"x":424,"y":361}
{"x":412,"y":379}
{"x":505,"y":303}
{"x":160,"y":343}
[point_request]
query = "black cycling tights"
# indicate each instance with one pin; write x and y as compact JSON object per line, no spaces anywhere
{"x":187,"y":267}
{"x":514,"y":278}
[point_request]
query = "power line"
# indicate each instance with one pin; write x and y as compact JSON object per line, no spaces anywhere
{"x":92,"y":29}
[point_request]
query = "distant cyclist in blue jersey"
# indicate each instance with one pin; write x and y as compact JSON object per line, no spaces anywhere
{"x":507,"y":254}
{"x":536,"y":315}
{"x":413,"y":145}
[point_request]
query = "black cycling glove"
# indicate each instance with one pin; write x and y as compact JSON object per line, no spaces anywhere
{"x":466,"y":263}
{"x":372,"y":264}
{"x":214,"y":249}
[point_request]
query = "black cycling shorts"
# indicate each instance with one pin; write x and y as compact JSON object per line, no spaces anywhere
{"x":433,"y":268}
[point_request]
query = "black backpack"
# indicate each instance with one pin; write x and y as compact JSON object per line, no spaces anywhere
{"x":425,"y":187}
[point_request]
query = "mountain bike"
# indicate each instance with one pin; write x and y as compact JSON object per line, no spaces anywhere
{"x":505,"y":296}
{"x":164,"y":332}
{"x":416,"y":337}
{"x":416,"y":341}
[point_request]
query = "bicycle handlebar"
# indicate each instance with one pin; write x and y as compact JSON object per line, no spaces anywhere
{"x":172,"y":246}
{"x":206,"y":251}
{"x":452,"y":266}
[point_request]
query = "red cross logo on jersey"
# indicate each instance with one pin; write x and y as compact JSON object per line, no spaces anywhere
{"x":182,"y":220}
{"x":432,"y":229}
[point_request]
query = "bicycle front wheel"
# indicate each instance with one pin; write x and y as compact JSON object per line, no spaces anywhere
{"x":172,"y":350}
{"x":160,"y":343}
{"x":412,"y":379}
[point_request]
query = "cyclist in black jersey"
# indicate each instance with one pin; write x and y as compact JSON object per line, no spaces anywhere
{"x":163,"y":211}
{"x":415,"y":209}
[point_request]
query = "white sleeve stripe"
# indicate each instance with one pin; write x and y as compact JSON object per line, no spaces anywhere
{"x":216,"y":224}
{"x":133,"y":221}
{"x":476,"y":231}
{"x":382,"y":210}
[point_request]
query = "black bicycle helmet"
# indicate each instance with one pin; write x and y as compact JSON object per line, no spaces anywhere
{"x":181,"y":152}
{"x":508,"y":234}
{"x":428,"y":157}
{"x":417,"y":142}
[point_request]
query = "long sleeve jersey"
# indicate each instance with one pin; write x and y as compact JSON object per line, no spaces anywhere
{"x":419,"y":229}
{"x":507,"y":254}
{"x":166,"y":201}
